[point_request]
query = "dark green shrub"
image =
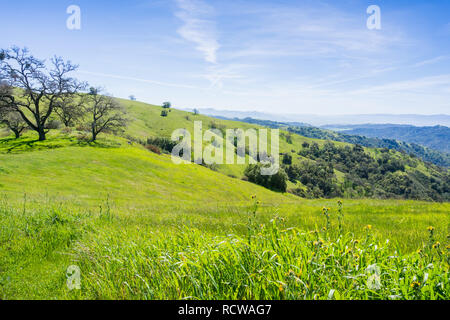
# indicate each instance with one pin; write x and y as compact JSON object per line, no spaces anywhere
{"x":163,"y":143}
{"x":276,"y":182}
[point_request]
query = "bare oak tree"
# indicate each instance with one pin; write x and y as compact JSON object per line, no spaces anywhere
{"x":8,"y":117}
{"x":14,"y":122}
{"x":70,"y":109}
{"x":105,"y":113}
{"x":38,"y":90}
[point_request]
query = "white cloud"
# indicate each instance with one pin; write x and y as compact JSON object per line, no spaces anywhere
{"x":198,"y":27}
{"x":426,"y":85}
{"x":321,"y":31}
{"x":158,"y":83}
{"x":430,"y":61}
{"x":338,"y":65}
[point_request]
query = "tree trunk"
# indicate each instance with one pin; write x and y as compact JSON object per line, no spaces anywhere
{"x":41,"y":135}
{"x":94,"y":135}
{"x":17,"y":133}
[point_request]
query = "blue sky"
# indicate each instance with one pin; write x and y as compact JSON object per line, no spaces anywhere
{"x":273,"y":56}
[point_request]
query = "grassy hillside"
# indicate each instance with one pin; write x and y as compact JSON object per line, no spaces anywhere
{"x":414,"y":178}
{"x":87,"y":175}
{"x":146,"y":121}
{"x":140,"y":227}
{"x":378,"y":170}
{"x":64,"y":166}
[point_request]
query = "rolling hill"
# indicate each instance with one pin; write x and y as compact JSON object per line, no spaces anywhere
{"x":375,"y":174}
{"x":66,"y":167}
{"x":139,"y":226}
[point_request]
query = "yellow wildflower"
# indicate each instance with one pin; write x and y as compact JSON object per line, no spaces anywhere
{"x":318,"y":243}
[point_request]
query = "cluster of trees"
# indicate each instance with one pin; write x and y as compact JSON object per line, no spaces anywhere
{"x":434,"y":156}
{"x":276,"y":182}
{"x":318,"y":178}
{"x":383,"y":176}
{"x":41,"y":97}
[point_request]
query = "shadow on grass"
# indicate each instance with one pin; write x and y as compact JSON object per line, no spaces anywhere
{"x":26,"y":144}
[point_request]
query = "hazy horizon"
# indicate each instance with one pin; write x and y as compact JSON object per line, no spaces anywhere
{"x":335,"y":119}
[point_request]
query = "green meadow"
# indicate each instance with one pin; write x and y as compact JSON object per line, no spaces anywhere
{"x":141,"y":227}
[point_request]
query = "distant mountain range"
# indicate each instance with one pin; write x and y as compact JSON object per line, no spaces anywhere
{"x":321,"y":120}
{"x":437,"y":137}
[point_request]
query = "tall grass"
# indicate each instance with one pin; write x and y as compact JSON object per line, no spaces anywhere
{"x":270,"y":262}
{"x":195,"y":252}
{"x":34,"y":247}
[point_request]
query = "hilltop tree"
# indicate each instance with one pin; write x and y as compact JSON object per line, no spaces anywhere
{"x":38,"y":89}
{"x":105,"y":113}
{"x":167,"y":105}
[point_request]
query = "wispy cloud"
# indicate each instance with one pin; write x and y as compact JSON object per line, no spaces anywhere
{"x":158,"y":83}
{"x":199,"y":27}
{"x":430,"y":61}
{"x":430,"y":85}
{"x":305,"y":31}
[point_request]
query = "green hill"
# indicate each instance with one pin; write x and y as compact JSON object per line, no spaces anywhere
{"x":139,"y":226}
{"x":316,"y":168}
{"x":414,"y":179}
{"x":65,"y":166}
